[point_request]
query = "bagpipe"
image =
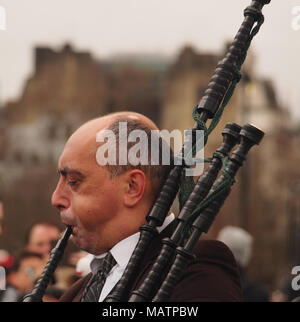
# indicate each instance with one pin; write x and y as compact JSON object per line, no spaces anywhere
{"x":200,"y":202}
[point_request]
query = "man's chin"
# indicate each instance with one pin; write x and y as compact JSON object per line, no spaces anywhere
{"x":76,"y":242}
{"x":80,"y":244}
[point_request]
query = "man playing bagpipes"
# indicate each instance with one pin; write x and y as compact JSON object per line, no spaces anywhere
{"x":119,"y":210}
{"x":106,"y":206}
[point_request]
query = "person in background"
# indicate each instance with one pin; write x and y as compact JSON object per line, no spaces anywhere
{"x":21,"y":276}
{"x":286,"y":292}
{"x":42,"y":237}
{"x":1,"y":215}
{"x":83,"y":265}
{"x":240,"y":242}
{"x":6,"y":259}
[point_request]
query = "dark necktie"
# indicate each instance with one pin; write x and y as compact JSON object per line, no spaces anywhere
{"x":94,"y":287}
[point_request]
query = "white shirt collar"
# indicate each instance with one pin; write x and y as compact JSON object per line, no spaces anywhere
{"x":123,"y":250}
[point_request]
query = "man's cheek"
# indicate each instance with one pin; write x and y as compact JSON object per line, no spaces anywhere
{"x":88,"y":219}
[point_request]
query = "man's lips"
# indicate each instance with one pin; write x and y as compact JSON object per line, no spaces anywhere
{"x":74,"y":230}
{"x":72,"y":226}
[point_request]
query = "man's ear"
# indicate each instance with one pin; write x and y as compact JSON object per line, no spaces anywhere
{"x":135,"y":184}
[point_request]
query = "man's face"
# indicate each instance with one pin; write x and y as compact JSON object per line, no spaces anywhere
{"x":88,"y":200}
{"x":1,"y":216}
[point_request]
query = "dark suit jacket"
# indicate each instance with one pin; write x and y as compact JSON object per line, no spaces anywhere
{"x":212,"y":276}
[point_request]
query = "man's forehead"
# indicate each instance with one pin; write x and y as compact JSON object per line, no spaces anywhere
{"x":78,"y":154}
{"x":82,"y":143}
{"x":76,"y":162}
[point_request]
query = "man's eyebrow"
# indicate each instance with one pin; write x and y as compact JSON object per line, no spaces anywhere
{"x":67,"y":171}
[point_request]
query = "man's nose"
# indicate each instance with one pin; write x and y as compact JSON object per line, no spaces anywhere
{"x":60,"y":199}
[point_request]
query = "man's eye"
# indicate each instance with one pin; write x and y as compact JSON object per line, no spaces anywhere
{"x":72,"y":182}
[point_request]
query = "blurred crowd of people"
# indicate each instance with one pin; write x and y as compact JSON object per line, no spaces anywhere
{"x":240,"y":243}
{"x":24,"y":268}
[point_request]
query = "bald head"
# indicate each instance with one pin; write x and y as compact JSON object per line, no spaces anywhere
{"x":89,"y":130}
{"x":84,"y":139}
{"x":85,"y":136}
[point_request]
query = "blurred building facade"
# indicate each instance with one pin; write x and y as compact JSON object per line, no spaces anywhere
{"x":69,"y":87}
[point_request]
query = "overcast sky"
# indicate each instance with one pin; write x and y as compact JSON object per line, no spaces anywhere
{"x":106,"y":27}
